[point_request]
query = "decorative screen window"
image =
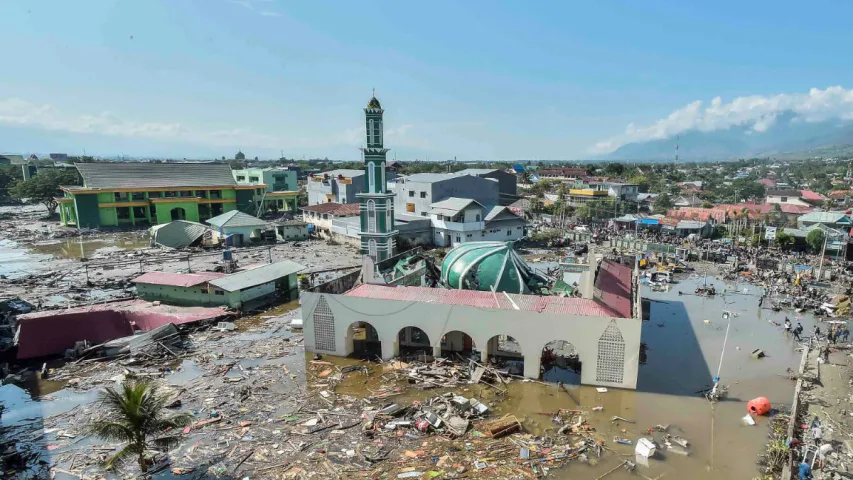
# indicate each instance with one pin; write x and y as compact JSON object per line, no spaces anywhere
{"x":324,"y":326}
{"x":611,"y":355}
{"x":371,"y":216}
{"x":371,"y":176}
{"x":371,"y":248}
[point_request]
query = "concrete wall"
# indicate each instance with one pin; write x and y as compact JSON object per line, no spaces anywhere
{"x":532,"y":330}
{"x":292,"y":232}
{"x":251,"y":293}
{"x":485,"y":191}
{"x":198,"y":295}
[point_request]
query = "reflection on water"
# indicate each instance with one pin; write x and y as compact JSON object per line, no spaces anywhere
{"x":75,"y":248}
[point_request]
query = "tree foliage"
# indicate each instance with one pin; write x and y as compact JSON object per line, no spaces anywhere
{"x":815,"y":239}
{"x":44,"y":186}
{"x":662,"y":203}
{"x":135,"y":415}
{"x":9,"y":175}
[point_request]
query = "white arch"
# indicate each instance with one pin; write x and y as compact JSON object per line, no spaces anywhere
{"x":371,"y":248}
{"x":371,"y":217}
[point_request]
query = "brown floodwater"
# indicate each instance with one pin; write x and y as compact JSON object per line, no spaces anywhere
{"x":75,"y":248}
{"x":682,"y":357}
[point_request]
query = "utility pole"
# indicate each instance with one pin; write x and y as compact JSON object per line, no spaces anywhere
{"x":822,"y":253}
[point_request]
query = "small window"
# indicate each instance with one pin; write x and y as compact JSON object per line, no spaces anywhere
{"x":241,"y":178}
{"x":508,"y":232}
{"x":411,"y":193}
{"x":458,"y":239}
{"x":423,"y":194}
{"x":423,"y":214}
{"x":784,"y":199}
{"x":478,"y":217}
{"x":253,"y":179}
{"x":219,"y":292}
{"x":469,"y":235}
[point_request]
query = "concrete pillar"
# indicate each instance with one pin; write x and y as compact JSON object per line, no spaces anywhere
{"x":484,"y":355}
{"x":436,"y":350}
{"x":390,"y":348}
{"x":531,"y":366}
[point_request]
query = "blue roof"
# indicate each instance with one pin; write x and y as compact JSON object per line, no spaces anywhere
{"x":518,"y":168}
{"x":649,"y":221}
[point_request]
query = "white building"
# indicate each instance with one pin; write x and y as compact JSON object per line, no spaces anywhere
{"x":460,"y":220}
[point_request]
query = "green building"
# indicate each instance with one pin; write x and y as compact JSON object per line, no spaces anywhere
{"x":377,"y":204}
{"x":258,"y":285}
{"x":282,"y":188}
{"x":135,"y":193}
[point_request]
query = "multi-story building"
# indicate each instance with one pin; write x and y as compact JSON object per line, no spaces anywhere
{"x":275,"y":179}
{"x":460,"y":220}
{"x":339,"y":186}
{"x":507,"y":182}
{"x":415,"y":193}
{"x":126,"y":194}
{"x":282,"y":189}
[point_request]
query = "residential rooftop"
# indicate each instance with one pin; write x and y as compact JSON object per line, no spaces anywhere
{"x":155,"y":175}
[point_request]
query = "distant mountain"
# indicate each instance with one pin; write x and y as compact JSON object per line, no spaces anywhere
{"x":788,"y":138}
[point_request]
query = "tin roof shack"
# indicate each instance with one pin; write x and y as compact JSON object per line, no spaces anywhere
{"x":210,"y":288}
{"x":237,"y":228}
{"x":178,"y":288}
{"x":291,"y":230}
{"x":256,"y":285}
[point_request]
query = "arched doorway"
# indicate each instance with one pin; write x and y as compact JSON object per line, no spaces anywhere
{"x":179,"y":213}
{"x":560,"y":362}
{"x":505,"y":351}
{"x":365,"y":341}
{"x":456,"y":342}
{"x":414,"y":341}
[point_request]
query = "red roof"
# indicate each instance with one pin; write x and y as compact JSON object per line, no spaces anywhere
{"x":473,"y":298}
{"x":614,"y":284}
{"x":177,"y":279}
{"x":51,"y":332}
{"x":334,"y":208}
{"x":810,"y":195}
{"x":794,"y":209}
{"x":702,"y":214}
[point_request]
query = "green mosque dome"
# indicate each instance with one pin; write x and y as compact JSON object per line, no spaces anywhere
{"x":373,"y":103}
{"x":484,"y":265}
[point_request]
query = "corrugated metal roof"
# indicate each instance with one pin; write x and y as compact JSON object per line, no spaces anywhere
{"x":178,"y":234}
{"x":824,"y":217}
{"x":452,"y":205}
{"x":257,"y":276}
{"x":177,"y":279}
{"x":334,"y":208}
{"x":236,"y":218}
{"x":476,"y":171}
{"x":472,"y":298}
{"x":810,"y":195}
{"x":346,"y":172}
{"x":430,"y":177}
{"x":142,"y":175}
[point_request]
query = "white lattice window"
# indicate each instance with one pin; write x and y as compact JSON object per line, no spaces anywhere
{"x":611,"y":355}
{"x":371,"y":176}
{"x":324,"y":326}
{"x":370,"y":132}
{"x":371,"y":216}
{"x":371,"y":248}
{"x":379,"y":132}
{"x":389,"y":216}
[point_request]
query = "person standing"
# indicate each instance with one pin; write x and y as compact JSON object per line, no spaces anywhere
{"x":797,"y":331}
{"x":830,"y":336}
{"x":787,"y":326}
{"x":817,"y":434}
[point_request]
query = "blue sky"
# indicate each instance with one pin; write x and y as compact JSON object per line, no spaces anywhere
{"x":472,"y":79}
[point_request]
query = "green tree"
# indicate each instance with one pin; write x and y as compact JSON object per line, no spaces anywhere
{"x":783,"y":239}
{"x":134,"y":413}
{"x":44,"y":187}
{"x":641,"y":180}
{"x":707,"y":205}
{"x":9,"y":175}
{"x":662,"y":203}
{"x":815,"y":239}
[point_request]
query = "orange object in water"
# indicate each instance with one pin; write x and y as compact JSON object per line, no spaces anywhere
{"x":758,"y":406}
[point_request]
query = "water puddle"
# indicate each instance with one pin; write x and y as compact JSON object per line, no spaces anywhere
{"x":75,"y":248}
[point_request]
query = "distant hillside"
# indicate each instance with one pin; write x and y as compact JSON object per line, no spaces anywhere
{"x":786,"y":139}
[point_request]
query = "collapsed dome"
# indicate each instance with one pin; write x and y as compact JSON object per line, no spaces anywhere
{"x":486,"y":265}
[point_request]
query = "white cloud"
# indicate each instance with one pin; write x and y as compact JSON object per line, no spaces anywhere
{"x":267,"y":13}
{"x":18,"y":112}
{"x":757,"y":112}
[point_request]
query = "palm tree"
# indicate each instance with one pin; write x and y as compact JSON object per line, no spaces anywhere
{"x":135,"y":415}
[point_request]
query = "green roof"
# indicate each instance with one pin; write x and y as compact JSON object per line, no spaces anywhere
{"x":257,"y":276}
{"x":155,"y":175}
{"x":486,"y":265}
{"x":236,"y":218}
{"x":374,"y":103}
{"x":825,"y":217}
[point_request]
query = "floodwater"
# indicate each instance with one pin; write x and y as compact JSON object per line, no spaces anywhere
{"x":19,"y":258}
{"x":682,"y":357}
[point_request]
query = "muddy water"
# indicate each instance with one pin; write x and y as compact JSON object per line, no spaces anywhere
{"x":19,"y":258}
{"x":87,"y":247}
{"x":682,"y":358}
